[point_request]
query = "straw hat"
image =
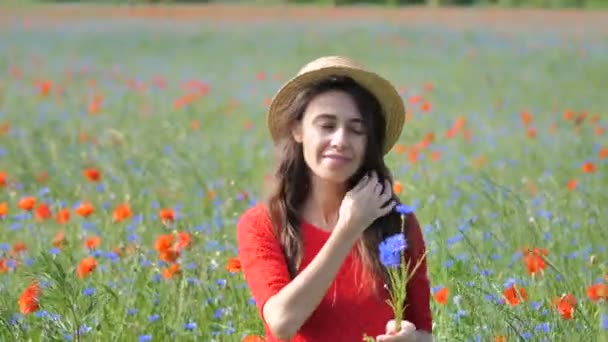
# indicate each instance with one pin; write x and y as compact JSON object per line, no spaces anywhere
{"x":390,"y":100}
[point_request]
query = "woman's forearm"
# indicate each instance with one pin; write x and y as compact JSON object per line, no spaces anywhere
{"x":289,"y":309}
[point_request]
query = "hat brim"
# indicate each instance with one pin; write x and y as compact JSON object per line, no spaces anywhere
{"x":391,"y":102}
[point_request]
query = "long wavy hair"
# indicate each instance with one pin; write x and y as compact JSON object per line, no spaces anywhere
{"x":291,"y":182}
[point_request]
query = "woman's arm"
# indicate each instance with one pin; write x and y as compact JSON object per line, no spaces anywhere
{"x":289,"y":309}
{"x":285,"y":304}
{"x":418,"y":309}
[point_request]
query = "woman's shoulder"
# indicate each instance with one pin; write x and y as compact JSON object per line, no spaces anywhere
{"x":255,"y":219}
{"x":254,"y":231}
{"x":257,"y":213}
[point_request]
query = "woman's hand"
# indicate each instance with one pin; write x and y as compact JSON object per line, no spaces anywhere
{"x":406,"y":334}
{"x":364,"y":203}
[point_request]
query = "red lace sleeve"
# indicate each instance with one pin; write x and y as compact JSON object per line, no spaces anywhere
{"x":261,"y":257}
{"x":418,"y":310}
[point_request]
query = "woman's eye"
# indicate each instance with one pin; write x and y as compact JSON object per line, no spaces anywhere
{"x":358,"y":130}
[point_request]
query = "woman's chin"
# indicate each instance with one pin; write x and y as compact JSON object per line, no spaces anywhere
{"x":337,"y":178}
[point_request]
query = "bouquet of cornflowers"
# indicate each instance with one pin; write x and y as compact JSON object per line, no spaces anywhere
{"x":392,"y":256}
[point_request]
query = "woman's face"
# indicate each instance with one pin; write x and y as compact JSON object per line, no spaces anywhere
{"x":333,"y":136}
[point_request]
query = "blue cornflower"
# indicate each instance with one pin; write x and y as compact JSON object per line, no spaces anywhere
{"x":112,"y":256}
{"x":42,"y":313}
{"x":190,"y":326}
{"x":84,"y":329}
{"x":390,"y":250}
{"x":133,"y":238}
{"x":486,"y":272}
{"x":544,"y":327}
{"x":490,"y":298}
{"x":11,"y":264}
{"x":454,"y":239}
{"x":21,"y":217}
{"x":510,"y":282}
{"x":604,"y":322}
{"x":89,"y":291}
{"x":44,"y":191}
{"x":218,"y":313}
{"x":434,"y":289}
{"x":193,"y":281}
{"x":145,"y":262}
{"x":139,"y":218}
{"x":459,"y":314}
{"x":536,"y":305}
{"x":404,"y":209}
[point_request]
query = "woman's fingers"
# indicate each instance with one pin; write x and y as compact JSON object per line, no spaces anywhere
{"x":389,"y":207}
{"x":378,"y":193}
{"x":362,"y":182}
{"x":406,"y":333}
{"x":384,"y":204}
{"x":405,"y":326}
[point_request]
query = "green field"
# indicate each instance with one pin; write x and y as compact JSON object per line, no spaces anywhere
{"x":104,"y":94}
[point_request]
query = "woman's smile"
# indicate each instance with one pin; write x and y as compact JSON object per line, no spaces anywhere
{"x":336,"y":159}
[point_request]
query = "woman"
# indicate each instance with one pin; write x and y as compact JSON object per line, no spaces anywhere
{"x":310,"y":252}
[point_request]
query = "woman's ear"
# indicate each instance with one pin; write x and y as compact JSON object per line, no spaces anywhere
{"x":296,"y":132}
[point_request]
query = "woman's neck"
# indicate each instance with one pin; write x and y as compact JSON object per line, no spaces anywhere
{"x":322,"y":206}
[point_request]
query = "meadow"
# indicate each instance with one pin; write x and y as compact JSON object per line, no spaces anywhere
{"x":129,"y":147}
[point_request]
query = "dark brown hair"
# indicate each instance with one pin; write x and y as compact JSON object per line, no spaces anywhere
{"x":291,"y":185}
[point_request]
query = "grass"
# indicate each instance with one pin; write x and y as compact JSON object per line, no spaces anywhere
{"x":482,"y":195}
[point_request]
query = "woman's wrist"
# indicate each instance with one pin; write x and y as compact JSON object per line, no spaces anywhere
{"x":345,"y":233}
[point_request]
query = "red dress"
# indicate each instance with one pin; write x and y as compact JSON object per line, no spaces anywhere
{"x":347,"y":311}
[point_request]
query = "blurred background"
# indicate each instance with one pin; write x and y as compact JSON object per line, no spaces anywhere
{"x":501,"y":3}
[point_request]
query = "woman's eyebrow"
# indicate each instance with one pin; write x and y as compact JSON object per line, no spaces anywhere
{"x":328,"y":116}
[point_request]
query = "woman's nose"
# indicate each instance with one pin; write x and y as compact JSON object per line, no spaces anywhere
{"x":339,"y":138}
